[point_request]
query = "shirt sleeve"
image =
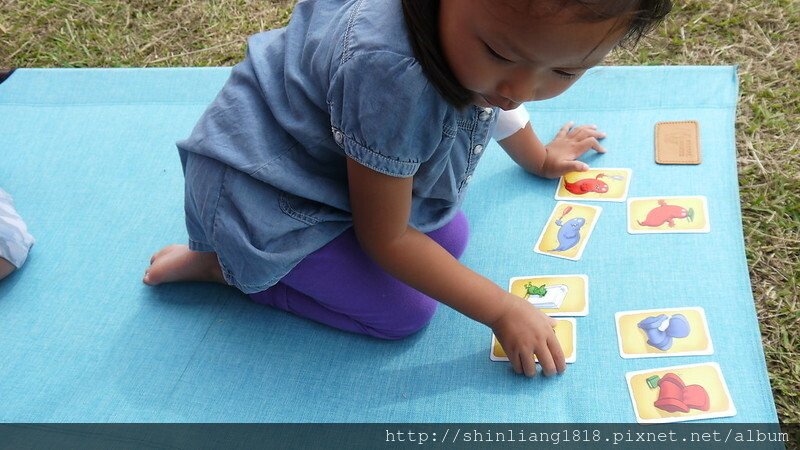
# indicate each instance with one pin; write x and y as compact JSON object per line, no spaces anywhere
{"x":15,"y":241}
{"x":509,"y":122}
{"x":385,"y":114}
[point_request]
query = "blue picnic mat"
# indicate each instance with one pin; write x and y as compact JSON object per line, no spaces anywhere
{"x":89,"y":157}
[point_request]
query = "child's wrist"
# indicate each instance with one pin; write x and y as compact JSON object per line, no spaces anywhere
{"x":502,"y":306}
{"x":543,"y":169}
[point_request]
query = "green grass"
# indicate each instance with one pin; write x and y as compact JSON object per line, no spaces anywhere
{"x":761,"y":36}
{"x":93,"y":33}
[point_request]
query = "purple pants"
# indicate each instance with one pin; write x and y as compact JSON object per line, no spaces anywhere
{"x":340,"y":286}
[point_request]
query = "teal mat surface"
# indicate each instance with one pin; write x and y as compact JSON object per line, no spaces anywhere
{"x":89,"y":157}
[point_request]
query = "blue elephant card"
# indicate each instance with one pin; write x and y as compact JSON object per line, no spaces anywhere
{"x":656,"y":333}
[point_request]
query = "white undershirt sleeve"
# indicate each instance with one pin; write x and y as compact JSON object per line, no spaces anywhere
{"x":509,"y":122}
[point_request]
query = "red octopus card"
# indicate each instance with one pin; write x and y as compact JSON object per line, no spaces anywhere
{"x":687,"y":214}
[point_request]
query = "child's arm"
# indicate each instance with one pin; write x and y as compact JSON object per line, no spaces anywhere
{"x":559,"y":156}
{"x":381,"y":207}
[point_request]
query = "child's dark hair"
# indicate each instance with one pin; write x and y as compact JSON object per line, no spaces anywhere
{"x":422,"y":20}
{"x":640,"y":16}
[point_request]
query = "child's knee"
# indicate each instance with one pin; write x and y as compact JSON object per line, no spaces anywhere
{"x":404,"y":322}
{"x":454,"y":236}
{"x":460,"y":234}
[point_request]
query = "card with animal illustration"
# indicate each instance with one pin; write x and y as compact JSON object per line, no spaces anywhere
{"x":656,"y":333}
{"x":668,"y":215}
{"x":555,"y":295}
{"x":595,"y":185}
{"x":680,"y":393}
{"x":567,"y":230}
{"x":565,"y":333}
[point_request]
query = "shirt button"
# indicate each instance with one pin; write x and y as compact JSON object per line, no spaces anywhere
{"x":338,"y":137}
{"x":486,"y":114}
{"x":469,"y":178}
{"x":477,"y":149}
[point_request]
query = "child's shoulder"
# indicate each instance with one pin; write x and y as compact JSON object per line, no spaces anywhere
{"x":374,"y":56}
{"x":326,"y":34}
{"x":376,"y":26}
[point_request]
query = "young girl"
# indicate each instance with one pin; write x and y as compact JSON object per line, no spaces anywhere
{"x":326,"y":177}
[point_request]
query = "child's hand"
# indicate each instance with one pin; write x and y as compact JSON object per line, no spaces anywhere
{"x":568,"y":145}
{"x":523,"y":331}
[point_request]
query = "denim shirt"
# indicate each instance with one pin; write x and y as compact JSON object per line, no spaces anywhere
{"x":265,"y":167}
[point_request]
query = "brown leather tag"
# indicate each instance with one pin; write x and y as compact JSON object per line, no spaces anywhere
{"x":678,"y":142}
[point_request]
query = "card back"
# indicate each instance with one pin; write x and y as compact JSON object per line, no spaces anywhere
{"x":677,"y":142}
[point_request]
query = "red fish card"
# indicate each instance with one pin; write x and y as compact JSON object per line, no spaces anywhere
{"x":595,"y":185}
{"x":687,"y":214}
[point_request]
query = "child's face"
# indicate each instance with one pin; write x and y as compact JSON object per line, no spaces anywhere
{"x":506,"y":56}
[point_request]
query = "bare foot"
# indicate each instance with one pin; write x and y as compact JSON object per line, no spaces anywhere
{"x":5,"y":268}
{"x":178,"y":263}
